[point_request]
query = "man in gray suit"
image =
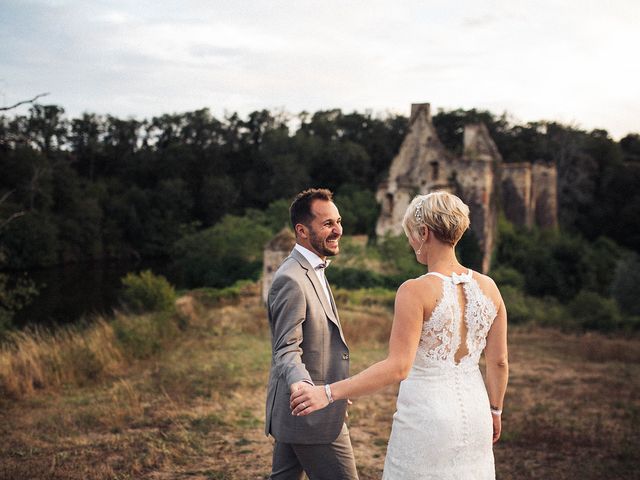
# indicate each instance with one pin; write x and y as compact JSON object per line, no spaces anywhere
{"x":308,"y":346}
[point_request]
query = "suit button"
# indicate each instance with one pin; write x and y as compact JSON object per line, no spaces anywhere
{"x":345,"y":356}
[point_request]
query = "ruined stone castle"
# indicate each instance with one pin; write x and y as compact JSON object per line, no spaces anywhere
{"x":526,"y":192}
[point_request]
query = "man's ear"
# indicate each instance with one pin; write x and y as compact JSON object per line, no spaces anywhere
{"x":301,"y":230}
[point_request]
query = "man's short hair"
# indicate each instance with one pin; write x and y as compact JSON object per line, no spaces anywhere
{"x":300,"y":209}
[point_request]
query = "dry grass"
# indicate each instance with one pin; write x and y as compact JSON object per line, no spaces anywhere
{"x":196,"y":410}
{"x":37,"y":360}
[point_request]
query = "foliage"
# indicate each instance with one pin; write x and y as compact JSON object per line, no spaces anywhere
{"x":554,"y":263}
{"x":625,"y":288}
{"x":508,"y":277}
{"x":591,"y":311}
{"x":468,"y":251}
{"x":523,"y":308}
{"x":398,"y":253}
{"x":219,"y":256}
{"x":13,"y":297}
{"x":275,"y":217}
{"x":354,"y":278}
{"x":98,"y":186}
{"x":146,"y":292}
{"x":215,"y":296}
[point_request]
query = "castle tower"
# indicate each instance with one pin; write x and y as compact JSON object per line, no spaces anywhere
{"x":544,"y":194}
{"x":477,"y":179}
{"x":419,"y":167}
{"x":516,"y":193}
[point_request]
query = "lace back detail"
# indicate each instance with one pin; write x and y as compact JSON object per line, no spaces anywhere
{"x":441,"y":339}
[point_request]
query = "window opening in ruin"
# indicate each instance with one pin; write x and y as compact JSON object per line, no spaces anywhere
{"x":389,"y":202}
{"x":434,"y":170}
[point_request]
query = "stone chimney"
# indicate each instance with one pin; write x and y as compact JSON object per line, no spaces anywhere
{"x":417,"y":107}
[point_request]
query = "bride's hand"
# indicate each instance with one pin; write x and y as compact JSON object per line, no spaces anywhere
{"x":497,"y":427}
{"x":307,"y":399}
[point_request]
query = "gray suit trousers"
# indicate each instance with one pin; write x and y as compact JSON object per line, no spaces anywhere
{"x":331,"y":461}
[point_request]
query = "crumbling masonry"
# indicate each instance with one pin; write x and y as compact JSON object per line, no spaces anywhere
{"x":526,"y":192}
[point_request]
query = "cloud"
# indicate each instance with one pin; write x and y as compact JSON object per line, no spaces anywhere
{"x":540,"y":59}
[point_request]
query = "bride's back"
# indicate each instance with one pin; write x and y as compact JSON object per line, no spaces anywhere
{"x":458,"y":317}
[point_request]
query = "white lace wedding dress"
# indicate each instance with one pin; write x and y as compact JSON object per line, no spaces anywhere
{"x":442,"y":428}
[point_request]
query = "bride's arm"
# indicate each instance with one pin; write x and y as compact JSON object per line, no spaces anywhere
{"x":403,"y":343}
{"x":497,"y":366}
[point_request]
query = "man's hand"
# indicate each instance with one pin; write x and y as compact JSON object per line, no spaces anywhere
{"x":295,"y":386}
{"x":306,"y":399}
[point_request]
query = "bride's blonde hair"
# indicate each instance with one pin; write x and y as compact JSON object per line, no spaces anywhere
{"x":444,"y":214}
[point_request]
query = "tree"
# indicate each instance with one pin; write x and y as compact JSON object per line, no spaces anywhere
{"x":218,"y":256}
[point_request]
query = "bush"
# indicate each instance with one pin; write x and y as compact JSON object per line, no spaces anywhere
{"x":216,"y":296}
{"x":555,"y":263}
{"x":517,"y":307}
{"x":354,"y":278}
{"x":359,"y":209}
{"x":401,"y":257}
{"x":506,"y":276}
{"x":590,"y":311}
{"x":146,"y":292}
{"x":625,"y":288}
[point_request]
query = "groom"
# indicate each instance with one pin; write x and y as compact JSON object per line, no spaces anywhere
{"x":308,"y":347}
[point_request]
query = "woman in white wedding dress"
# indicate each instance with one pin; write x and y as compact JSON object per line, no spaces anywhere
{"x":446,"y":419}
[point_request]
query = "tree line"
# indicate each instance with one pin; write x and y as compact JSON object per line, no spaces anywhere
{"x":98,"y":186}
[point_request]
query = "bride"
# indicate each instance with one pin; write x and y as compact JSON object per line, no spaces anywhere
{"x":446,"y":419}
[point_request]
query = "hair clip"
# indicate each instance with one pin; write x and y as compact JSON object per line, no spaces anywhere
{"x":418,"y":213}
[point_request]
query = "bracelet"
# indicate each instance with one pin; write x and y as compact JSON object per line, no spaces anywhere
{"x":496,"y":411}
{"x":327,"y":390}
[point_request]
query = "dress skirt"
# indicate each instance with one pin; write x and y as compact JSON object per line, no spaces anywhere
{"x":442,"y":428}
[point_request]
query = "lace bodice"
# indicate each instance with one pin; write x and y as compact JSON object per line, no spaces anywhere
{"x":441,"y":334}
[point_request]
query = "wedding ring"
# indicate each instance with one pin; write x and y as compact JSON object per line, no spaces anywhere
{"x":304,"y":405}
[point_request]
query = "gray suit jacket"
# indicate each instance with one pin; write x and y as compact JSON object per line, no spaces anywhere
{"x":307,"y":344}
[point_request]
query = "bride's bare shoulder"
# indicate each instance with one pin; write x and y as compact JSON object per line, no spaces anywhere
{"x":427,"y":287}
{"x":488,"y":286}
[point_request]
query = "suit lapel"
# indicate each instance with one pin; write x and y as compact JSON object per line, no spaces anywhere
{"x":329,"y":307}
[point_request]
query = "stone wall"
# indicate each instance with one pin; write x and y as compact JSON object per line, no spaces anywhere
{"x":275,"y":251}
{"x":544,"y":195}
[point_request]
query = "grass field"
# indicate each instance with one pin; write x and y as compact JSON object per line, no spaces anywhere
{"x":196,"y":409}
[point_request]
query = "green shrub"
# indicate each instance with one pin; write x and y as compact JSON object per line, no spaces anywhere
{"x":397,"y":252}
{"x":354,"y":278}
{"x":516,"y":303}
{"x":523,"y":308}
{"x":626,"y":284}
{"x":146,"y":292}
{"x":506,"y":276}
{"x":591,"y":311}
{"x":555,"y":263}
{"x":213,"y":296}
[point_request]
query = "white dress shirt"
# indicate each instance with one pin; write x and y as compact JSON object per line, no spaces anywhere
{"x":315,"y":260}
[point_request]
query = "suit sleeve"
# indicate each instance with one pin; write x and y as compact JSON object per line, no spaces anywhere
{"x":287,"y":310}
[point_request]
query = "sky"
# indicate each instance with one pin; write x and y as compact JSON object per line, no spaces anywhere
{"x":569,"y":61}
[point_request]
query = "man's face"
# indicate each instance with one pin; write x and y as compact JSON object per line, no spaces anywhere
{"x":325,"y":229}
